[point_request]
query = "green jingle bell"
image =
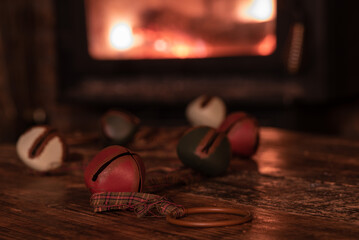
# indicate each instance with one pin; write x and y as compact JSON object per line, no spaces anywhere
{"x":205,"y":150}
{"x":119,"y":127}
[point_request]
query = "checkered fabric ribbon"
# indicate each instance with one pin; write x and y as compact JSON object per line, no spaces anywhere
{"x":143,"y":204}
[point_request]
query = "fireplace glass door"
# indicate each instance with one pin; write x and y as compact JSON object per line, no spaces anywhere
{"x":169,"y":29}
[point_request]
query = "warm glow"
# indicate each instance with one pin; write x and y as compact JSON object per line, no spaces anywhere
{"x":121,"y":36}
{"x":270,"y":162}
{"x":181,"y":50}
{"x":167,"y":29}
{"x":256,"y":10}
{"x":267,"y":45}
{"x":272,"y":158}
{"x":261,"y":9}
{"x":160,"y":45}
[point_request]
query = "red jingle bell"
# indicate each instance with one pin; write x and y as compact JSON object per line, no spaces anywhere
{"x":115,"y":169}
{"x":243,"y":133}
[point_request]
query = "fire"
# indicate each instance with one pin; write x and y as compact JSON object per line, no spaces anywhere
{"x":160,"y":45}
{"x":158,"y":29}
{"x":267,"y":45}
{"x":261,"y":10}
{"x":256,"y":10}
{"x":181,"y":50}
{"x":121,"y":36}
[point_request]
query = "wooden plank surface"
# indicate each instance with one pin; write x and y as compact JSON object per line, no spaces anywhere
{"x":298,"y":186}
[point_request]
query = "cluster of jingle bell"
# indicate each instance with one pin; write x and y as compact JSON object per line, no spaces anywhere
{"x":207,"y":148}
{"x":44,"y":149}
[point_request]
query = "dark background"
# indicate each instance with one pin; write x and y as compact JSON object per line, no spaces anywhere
{"x":32,"y":77}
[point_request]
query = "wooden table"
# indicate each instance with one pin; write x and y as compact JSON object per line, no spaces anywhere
{"x":298,"y":186}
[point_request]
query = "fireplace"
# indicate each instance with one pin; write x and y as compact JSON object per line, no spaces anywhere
{"x":151,"y":29}
{"x":165,"y":52}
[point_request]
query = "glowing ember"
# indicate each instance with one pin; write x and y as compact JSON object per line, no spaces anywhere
{"x":256,"y":10}
{"x":181,"y":50}
{"x":160,"y":45}
{"x":261,"y":10}
{"x":121,"y":36}
{"x":267,"y":45}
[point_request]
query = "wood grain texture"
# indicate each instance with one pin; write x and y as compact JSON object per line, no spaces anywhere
{"x":297,"y":186}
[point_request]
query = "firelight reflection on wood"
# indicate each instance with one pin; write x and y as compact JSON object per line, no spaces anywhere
{"x":152,"y":29}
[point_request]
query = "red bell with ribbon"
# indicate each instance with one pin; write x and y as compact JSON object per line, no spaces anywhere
{"x":115,"y":177}
{"x":115,"y":169}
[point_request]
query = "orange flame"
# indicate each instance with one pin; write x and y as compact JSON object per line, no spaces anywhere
{"x":256,"y":10}
{"x":267,"y":45}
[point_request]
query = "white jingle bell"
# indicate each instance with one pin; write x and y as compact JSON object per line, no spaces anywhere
{"x":41,"y":148}
{"x":206,"y":111}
